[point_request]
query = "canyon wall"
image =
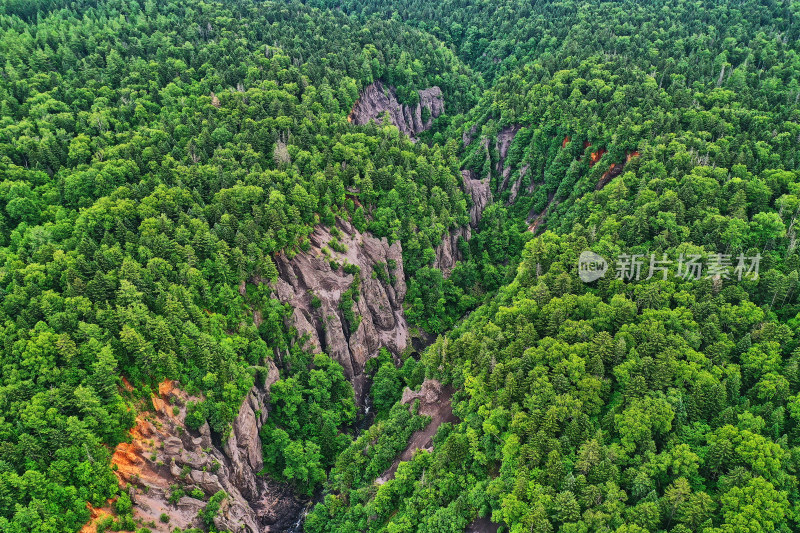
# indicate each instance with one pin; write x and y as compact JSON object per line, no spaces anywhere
{"x":447,"y":252}
{"x":164,"y":454}
{"x":377,"y":99}
{"x":314,"y":282}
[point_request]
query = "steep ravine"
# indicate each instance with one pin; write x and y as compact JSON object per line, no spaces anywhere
{"x":347,"y":292}
{"x":164,"y":455}
{"x":378,"y":99}
{"x":163,"y":452}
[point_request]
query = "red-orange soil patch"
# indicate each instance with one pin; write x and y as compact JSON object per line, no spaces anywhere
{"x":129,"y":460}
{"x":595,"y":157}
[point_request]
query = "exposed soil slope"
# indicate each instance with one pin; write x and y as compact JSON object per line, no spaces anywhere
{"x":163,"y":454}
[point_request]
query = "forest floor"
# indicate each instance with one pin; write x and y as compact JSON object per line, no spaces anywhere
{"x":482,"y":525}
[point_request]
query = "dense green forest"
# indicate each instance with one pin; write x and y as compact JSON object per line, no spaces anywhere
{"x":154,"y":156}
{"x":658,"y":405}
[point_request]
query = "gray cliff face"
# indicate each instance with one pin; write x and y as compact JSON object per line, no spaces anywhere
{"x":468,"y":135}
{"x":314,"y":288}
{"x":164,"y":452}
{"x":480,"y":192}
{"x":378,"y":98}
{"x":447,"y":253}
{"x":502,"y":144}
{"x":518,"y":183}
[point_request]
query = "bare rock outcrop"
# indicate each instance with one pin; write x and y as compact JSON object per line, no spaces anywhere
{"x":434,"y":398}
{"x":164,"y":455}
{"x":518,"y":183}
{"x":502,"y":144}
{"x":448,"y":252}
{"x":435,"y":402}
{"x":614,"y":170}
{"x":378,"y":98}
{"x":468,"y":135}
{"x":315,"y":282}
{"x":480,"y":192}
